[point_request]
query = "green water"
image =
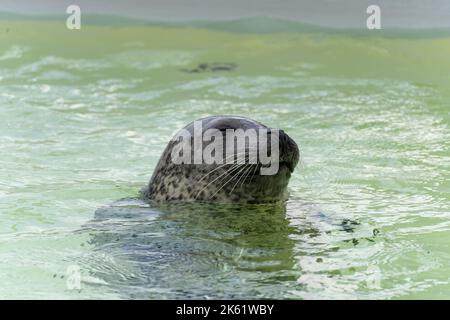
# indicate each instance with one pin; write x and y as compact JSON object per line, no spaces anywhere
{"x":85,"y":115}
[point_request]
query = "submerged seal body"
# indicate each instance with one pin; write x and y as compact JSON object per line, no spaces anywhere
{"x":238,"y":181}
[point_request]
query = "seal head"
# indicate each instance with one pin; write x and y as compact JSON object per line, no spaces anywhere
{"x":248,"y":178}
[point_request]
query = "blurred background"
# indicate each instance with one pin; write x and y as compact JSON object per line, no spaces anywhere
{"x":332,"y":13}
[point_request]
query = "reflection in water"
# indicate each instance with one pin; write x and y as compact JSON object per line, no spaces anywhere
{"x":198,"y":250}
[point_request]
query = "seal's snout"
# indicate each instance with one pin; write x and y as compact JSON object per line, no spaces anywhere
{"x":289,"y":152}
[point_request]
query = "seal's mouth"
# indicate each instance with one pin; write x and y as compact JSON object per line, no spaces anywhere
{"x":283,"y":164}
{"x":289,"y":165}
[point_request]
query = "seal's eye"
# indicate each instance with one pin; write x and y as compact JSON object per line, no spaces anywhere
{"x":224,"y":128}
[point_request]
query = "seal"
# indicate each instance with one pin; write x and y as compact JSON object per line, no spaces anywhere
{"x":227,"y":181}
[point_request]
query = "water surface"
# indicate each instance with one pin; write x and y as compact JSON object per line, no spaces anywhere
{"x":85,"y":115}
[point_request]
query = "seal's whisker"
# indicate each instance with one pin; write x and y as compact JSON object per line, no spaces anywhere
{"x":230,"y":171}
{"x":222,"y":165}
{"x":224,"y":173}
{"x":214,"y":170}
{"x":233,"y":167}
{"x":239,"y":178}
{"x":228,"y":181}
{"x":253,"y":174}
{"x":237,"y":182}
{"x":246,"y":175}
